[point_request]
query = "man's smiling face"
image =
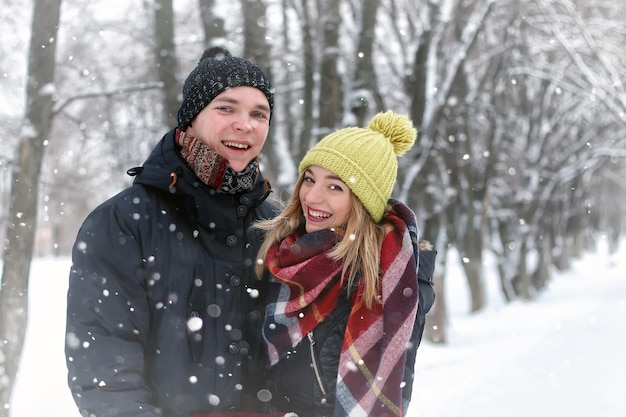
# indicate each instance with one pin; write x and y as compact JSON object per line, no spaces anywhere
{"x":235,"y":124}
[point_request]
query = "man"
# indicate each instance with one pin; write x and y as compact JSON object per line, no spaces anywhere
{"x":163,"y":310}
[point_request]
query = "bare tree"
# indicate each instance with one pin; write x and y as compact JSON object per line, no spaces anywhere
{"x":165,"y":54}
{"x":434,"y":164}
{"x":365,"y":94}
{"x":18,"y":252}
{"x":257,"y":50}
{"x":291,"y":77}
{"x":212,"y":25}
{"x":306,"y":138}
{"x":329,"y":106}
{"x":519,"y":105}
{"x":540,"y":207}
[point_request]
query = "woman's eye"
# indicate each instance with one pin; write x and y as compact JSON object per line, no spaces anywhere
{"x":336,"y":187}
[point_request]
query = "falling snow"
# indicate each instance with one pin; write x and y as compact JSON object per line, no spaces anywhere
{"x":562,"y":355}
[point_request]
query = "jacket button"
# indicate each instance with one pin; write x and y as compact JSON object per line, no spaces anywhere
{"x":235,"y":280}
{"x":242,"y":211}
{"x":231,"y":240}
{"x":233,"y":348}
{"x":244,"y":199}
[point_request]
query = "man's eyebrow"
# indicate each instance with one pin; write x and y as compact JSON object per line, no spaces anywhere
{"x":260,"y":106}
{"x":263,"y":107}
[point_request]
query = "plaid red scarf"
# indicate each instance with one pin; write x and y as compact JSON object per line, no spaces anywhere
{"x":304,"y":287}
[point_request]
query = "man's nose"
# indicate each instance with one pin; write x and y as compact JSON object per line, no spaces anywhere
{"x":244,"y":123}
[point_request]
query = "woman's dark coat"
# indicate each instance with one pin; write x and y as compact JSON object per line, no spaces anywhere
{"x":293,"y":381}
{"x":166,"y":250}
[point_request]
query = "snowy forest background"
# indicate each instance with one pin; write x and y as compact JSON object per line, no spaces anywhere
{"x":520,"y":105}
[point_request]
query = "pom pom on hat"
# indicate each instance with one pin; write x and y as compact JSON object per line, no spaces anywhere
{"x":216,"y":72}
{"x":397,"y":128}
{"x":366,"y":158}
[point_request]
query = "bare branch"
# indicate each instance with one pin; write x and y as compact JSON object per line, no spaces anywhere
{"x":121,"y":90}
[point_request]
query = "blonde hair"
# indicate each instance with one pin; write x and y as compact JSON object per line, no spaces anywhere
{"x":359,"y":249}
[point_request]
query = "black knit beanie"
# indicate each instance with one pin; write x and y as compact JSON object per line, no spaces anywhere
{"x":216,"y":72}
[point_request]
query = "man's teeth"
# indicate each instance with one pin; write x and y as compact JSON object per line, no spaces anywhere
{"x":236,"y":145}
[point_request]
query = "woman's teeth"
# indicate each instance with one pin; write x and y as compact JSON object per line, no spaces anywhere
{"x":318,"y":214}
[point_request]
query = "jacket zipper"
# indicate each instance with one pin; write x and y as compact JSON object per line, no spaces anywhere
{"x":314,"y":363}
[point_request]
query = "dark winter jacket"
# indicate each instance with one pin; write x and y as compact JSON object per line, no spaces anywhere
{"x":164,"y":251}
{"x":304,"y":381}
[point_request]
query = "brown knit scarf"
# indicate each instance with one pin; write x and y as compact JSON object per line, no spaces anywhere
{"x":213,"y":169}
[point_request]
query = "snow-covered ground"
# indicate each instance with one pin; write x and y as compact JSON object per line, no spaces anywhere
{"x":561,"y":355}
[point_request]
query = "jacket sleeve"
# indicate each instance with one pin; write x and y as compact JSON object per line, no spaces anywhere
{"x":107,"y":320}
{"x":425,"y":274}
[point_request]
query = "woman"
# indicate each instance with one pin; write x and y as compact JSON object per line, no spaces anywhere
{"x":345,"y":311}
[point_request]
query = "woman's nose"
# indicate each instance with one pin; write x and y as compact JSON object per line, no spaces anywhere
{"x":314,"y":194}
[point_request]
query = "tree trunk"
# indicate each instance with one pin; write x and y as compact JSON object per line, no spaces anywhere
{"x":289,"y":96}
{"x":212,"y":25}
{"x":470,"y":183}
{"x":415,"y":83}
{"x":474,"y":275}
{"x":523,"y":280}
{"x":364,"y":86}
{"x":165,"y":54}
{"x":436,"y":320}
{"x":257,"y":50}
{"x":434,"y":230}
{"x":330,"y":86}
{"x":541,"y":274}
{"x":306,"y":137}
{"x":22,"y":222}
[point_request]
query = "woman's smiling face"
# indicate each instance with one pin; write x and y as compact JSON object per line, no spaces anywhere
{"x":325,"y":199}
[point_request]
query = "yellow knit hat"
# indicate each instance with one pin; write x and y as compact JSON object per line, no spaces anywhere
{"x":365,"y":159}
